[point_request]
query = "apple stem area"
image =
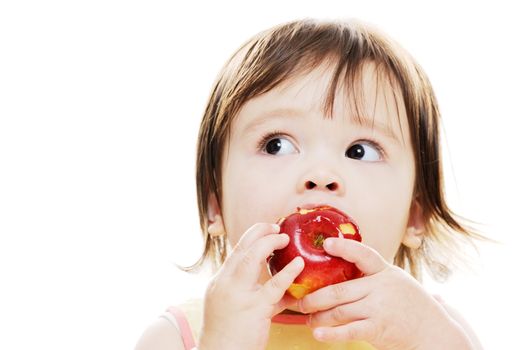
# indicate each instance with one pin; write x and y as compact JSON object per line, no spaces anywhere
{"x":318,"y":241}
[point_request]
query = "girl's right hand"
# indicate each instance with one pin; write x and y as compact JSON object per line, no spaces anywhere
{"x":238,"y":309}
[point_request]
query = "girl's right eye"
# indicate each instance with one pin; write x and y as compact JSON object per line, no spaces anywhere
{"x":277,"y":145}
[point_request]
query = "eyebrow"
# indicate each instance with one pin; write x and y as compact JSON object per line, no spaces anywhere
{"x":278,"y":113}
{"x":291,"y":113}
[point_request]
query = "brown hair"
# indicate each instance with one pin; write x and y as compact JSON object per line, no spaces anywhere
{"x":290,"y":49}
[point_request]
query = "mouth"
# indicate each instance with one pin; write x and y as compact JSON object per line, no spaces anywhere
{"x":312,"y":206}
{"x":315,"y":205}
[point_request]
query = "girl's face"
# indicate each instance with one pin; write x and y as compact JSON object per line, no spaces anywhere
{"x":283,"y":154}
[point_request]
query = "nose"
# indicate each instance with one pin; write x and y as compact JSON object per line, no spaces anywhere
{"x":321,"y":180}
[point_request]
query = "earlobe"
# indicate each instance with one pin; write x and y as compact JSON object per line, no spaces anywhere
{"x":216,"y":226}
{"x":412,"y":238}
{"x":415,"y":229}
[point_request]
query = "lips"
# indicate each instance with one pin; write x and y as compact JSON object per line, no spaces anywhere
{"x":314,"y":205}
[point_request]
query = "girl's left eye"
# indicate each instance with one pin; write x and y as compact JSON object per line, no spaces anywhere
{"x":367,"y":151}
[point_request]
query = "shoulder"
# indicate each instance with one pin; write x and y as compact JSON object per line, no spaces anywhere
{"x":160,"y":335}
{"x":457,"y":317}
{"x":173,"y":328}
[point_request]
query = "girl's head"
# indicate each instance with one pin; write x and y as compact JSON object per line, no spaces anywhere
{"x":314,"y":112}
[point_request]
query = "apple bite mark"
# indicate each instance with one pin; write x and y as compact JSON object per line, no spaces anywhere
{"x":305,"y":211}
{"x":308,"y":229}
{"x":298,"y":290}
{"x":347,"y":229}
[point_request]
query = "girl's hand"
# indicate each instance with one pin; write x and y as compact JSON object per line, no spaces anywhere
{"x":388,"y":307}
{"x":238,"y":310}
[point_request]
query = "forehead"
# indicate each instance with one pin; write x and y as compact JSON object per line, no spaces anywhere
{"x":369,"y":100}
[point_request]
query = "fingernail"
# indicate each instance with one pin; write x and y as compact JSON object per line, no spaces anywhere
{"x":318,"y":334}
{"x":328,"y":243}
{"x":276,"y":227}
{"x":298,"y":261}
{"x":300,"y":306}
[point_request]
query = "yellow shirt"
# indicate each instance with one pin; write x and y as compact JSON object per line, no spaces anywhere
{"x":282,"y":335}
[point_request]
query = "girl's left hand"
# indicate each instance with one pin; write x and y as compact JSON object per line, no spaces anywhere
{"x":387,"y":307}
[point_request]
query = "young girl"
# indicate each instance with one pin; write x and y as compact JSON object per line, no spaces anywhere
{"x":314,"y":113}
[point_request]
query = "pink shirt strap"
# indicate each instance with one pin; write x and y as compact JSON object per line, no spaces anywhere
{"x":184,"y":327}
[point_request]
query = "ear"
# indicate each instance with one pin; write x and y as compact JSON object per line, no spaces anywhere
{"x":414,"y":233}
{"x":215,"y":220}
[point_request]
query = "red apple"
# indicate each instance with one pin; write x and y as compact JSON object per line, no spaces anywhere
{"x":307,"y":229}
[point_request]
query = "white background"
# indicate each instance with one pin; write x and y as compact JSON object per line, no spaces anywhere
{"x":99,"y":107}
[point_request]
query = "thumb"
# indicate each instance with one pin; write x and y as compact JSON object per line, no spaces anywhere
{"x":368,"y":260}
{"x":286,"y":302}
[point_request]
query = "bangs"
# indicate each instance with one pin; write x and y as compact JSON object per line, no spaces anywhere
{"x":279,"y":55}
{"x":350,"y":76}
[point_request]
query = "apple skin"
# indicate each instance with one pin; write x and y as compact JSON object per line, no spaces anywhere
{"x":307,"y":228}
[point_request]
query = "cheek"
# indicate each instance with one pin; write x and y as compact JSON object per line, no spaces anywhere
{"x":383,"y":210}
{"x":249,"y":197}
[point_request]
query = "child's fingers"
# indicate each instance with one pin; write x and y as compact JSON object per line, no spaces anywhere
{"x":339,"y":315}
{"x":337,"y":294}
{"x":285,"y":303}
{"x":275,"y":287}
{"x":255,"y":232}
{"x":358,"y":330}
{"x":368,"y":260}
{"x":249,"y":266}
